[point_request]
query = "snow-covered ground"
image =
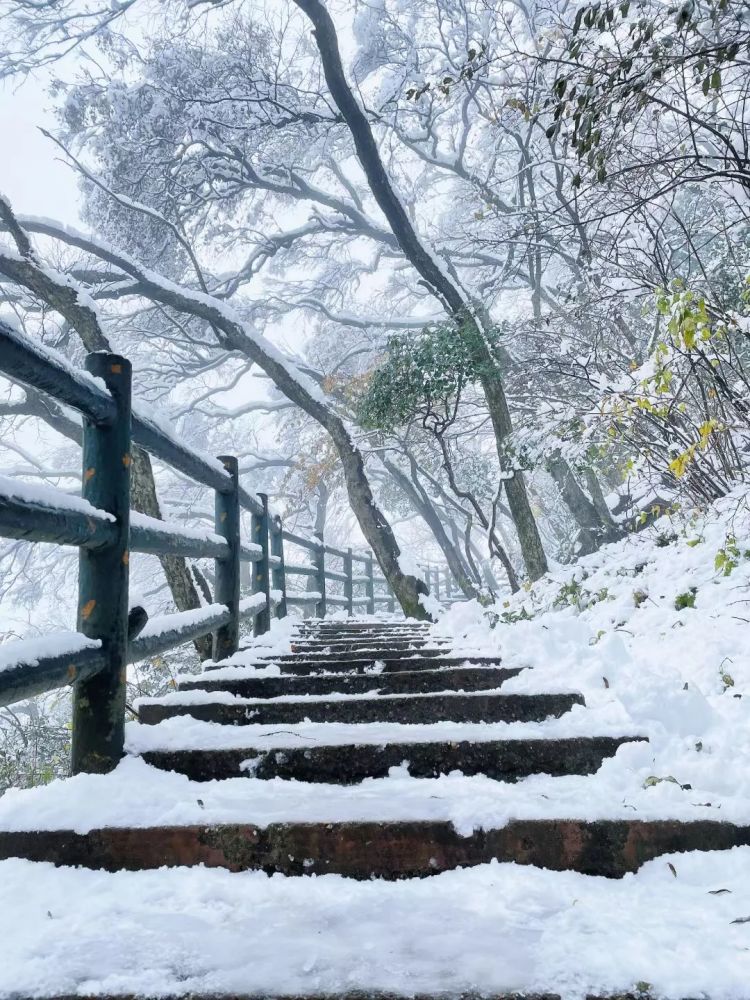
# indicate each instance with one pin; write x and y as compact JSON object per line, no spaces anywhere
{"x":496,"y":927}
{"x":654,"y":631}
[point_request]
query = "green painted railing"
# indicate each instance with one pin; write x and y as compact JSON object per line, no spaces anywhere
{"x":109,"y":637}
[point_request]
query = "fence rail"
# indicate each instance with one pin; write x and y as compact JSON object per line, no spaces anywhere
{"x":105,"y":531}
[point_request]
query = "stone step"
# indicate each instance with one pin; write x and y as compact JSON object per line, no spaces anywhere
{"x":368,"y":630}
{"x":355,"y":645}
{"x":502,"y":760}
{"x":393,"y":682}
{"x":362,"y":636}
{"x":428,"y":708}
{"x":305,"y":666}
{"x":365,"y":850}
{"x":371,"y":654}
{"x":367,"y":641}
{"x":350,"y":624}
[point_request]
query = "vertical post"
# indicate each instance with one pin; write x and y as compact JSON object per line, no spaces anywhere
{"x":448,"y":583}
{"x":437,"y":582}
{"x":391,"y":599}
{"x":262,"y":576}
{"x":99,"y":702}
{"x":319,"y":561}
{"x":349,"y":582}
{"x":278,"y":571}
{"x":227,"y":587}
{"x":370,"y":585}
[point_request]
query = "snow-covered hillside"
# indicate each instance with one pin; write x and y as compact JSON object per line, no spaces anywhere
{"x":655,"y":632}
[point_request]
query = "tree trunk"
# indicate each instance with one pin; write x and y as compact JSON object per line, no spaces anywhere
{"x":458,"y":542}
{"x":489,"y":577}
{"x":597,"y":497}
{"x":593,"y":532}
{"x":176,"y":569}
{"x":321,"y":509}
{"x":430,"y":516}
{"x":515,"y":487}
{"x":379,"y":534}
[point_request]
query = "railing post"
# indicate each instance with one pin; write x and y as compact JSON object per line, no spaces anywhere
{"x":349,"y":582}
{"x":448,"y":583}
{"x":227,"y":587}
{"x":437,"y":582}
{"x":278,"y":571}
{"x":262,"y":576}
{"x":370,"y":585}
{"x":319,"y":561}
{"x":99,"y":702}
{"x":391,"y":599}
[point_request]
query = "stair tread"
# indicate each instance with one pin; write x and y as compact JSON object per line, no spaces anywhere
{"x":501,"y":760}
{"x":246,"y":683}
{"x":472,"y":706}
{"x":137,"y":795}
{"x":363,"y":654}
{"x":302,"y":665}
{"x":194,"y":696}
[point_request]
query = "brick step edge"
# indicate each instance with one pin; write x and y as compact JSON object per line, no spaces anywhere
{"x":363,"y":850}
{"x":502,"y":760}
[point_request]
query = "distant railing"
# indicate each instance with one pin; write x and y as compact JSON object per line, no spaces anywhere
{"x":100,"y":523}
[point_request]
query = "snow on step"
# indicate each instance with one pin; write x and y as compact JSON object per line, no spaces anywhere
{"x":508,"y":760}
{"x":487,"y":930}
{"x":136,"y":795}
{"x":183,"y":732}
{"x":301,"y":665}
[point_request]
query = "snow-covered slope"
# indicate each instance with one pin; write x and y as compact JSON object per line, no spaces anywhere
{"x":654,"y":631}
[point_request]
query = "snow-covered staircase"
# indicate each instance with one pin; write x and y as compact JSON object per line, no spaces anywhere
{"x":360,"y":751}
{"x":346,"y":703}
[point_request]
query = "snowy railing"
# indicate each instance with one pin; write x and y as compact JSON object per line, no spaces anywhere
{"x":320,"y":572}
{"x":109,"y":637}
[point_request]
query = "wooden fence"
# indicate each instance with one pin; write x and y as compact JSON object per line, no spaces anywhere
{"x":109,"y":637}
